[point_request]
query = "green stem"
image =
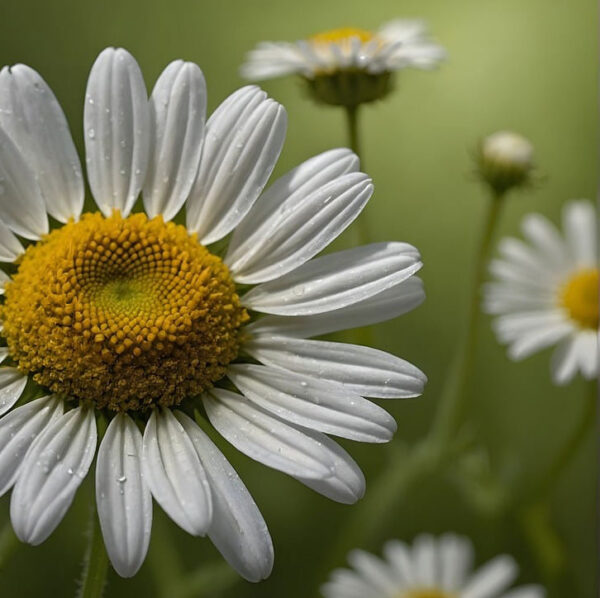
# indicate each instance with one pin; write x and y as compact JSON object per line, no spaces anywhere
{"x":95,"y":565}
{"x":534,"y":515}
{"x":355,"y":145}
{"x":8,"y":544}
{"x":352,"y":122}
{"x":455,"y":396}
{"x":585,"y":423}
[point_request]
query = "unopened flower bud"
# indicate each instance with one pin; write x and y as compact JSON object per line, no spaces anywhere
{"x":505,"y":160}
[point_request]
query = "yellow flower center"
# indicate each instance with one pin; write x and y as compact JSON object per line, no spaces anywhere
{"x":426,"y":593}
{"x":341,"y":35}
{"x":123,"y":312}
{"x":579,"y":297}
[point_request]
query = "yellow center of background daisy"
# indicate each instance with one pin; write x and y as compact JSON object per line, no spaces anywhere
{"x":580,"y":298}
{"x":343,"y":34}
{"x":123,"y":312}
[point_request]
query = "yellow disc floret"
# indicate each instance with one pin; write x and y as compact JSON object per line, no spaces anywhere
{"x":123,"y":312}
{"x":342,"y":35}
{"x":580,"y":297}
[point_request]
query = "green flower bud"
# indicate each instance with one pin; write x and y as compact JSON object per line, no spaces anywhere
{"x":505,"y":161}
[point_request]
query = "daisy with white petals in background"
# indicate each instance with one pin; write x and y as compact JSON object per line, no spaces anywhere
{"x":545,"y":291}
{"x":347,"y":66}
{"x":430,"y":568}
{"x":130,"y":317}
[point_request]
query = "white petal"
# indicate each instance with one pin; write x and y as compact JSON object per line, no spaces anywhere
{"x":177,"y":113}
{"x":384,"y":306}
{"x":520,"y":254}
{"x":491,"y":579}
{"x":455,"y":561}
{"x":580,"y":223}
{"x":4,"y":278}
{"x":238,"y":529}
{"x":400,"y":557}
{"x":546,"y":238}
{"x":424,"y":558}
{"x":587,"y":341}
{"x":265,"y":438}
{"x":18,"y":430}
{"x":31,"y":115}
{"x":243,"y":140}
{"x":297,"y":218}
{"x":347,"y":484}
{"x":336,"y":280}
{"x":4,"y":353}
{"x":10,"y":246}
{"x":21,"y":203}
{"x":363,"y":370}
{"x":531,"y":342}
{"x":117,"y":130}
{"x":316,"y":404}
{"x":12,"y":384}
{"x":530,"y":591}
{"x":375,"y":571}
{"x":564,"y":361}
{"x":53,"y":469}
{"x":175,"y":474}
{"x":123,"y":499}
{"x":272,"y":59}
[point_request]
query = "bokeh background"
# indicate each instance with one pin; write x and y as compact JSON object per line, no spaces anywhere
{"x":527,"y":65}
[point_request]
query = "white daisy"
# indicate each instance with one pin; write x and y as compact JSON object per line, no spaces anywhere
{"x":545,"y":291}
{"x":396,"y":45}
{"x":347,"y":66}
{"x":132,"y":317}
{"x":430,"y":568}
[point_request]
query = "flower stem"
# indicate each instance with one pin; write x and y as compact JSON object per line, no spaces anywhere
{"x":96,"y":563}
{"x":355,"y":145}
{"x":8,"y":543}
{"x":569,"y":450}
{"x":534,"y":515}
{"x":455,"y":396}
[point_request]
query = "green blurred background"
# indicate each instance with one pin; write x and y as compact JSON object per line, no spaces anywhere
{"x":527,"y":65}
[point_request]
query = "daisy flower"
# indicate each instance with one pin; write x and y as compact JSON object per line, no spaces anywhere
{"x":127,"y":316}
{"x":430,"y":568}
{"x":347,"y":66}
{"x":545,"y":292}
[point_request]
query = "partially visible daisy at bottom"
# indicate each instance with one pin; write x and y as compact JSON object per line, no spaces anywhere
{"x":545,"y":291}
{"x":430,"y":568}
{"x":130,"y":316}
{"x":347,"y":66}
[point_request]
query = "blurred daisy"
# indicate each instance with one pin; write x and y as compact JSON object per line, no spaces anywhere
{"x":430,"y":568}
{"x":545,"y":291}
{"x":129,"y":315}
{"x":347,"y":66}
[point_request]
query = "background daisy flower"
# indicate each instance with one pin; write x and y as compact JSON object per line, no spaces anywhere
{"x":129,"y":317}
{"x":347,"y":66}
{"x":545,"y":291}
{"x":394,"y":46}
{"x":430,"y":568}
